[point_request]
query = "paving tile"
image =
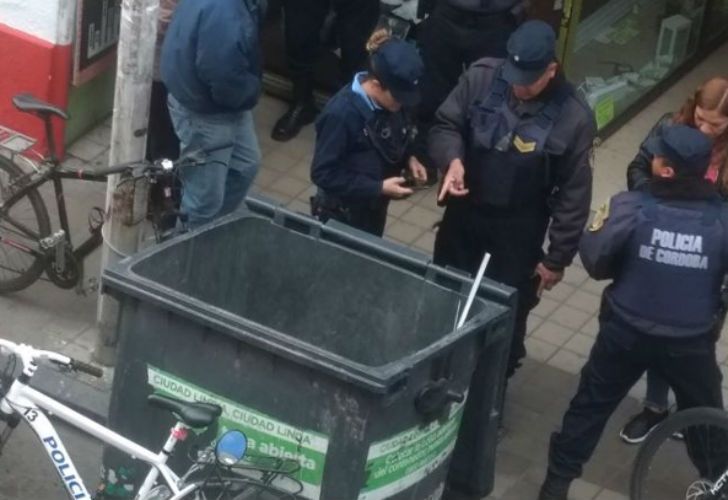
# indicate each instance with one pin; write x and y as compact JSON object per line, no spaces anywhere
{"x":420,"y":216}
{"x":591,"y":327}
{"x":595,"y":286}
{"x":585,"y":301}
{"x":301,"y":171}
{"x":580,"y":344}
{"x":567,"y":361}
{"x":100,"y":135}
{"x":266,"y":176}
{"x":545,"y":307}
{"x":86,"y":149}
{"x":289,"y":186}
{"x":583,"y":490}
{"x":299,"y":206}
{"x":570,"y":317}
{"x":533,"y":322}
{"x":575,"y":275}
{"x":397,"y":208}
{"x":610,"y":495}
{"x":426,"y":242}
{"x":560,"y":292}
{"x":539,"y":350}
{"x":553,"y":333}
{"x":280,"y":161}
{"x":404,"y":232}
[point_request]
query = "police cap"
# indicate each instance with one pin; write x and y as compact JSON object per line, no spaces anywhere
{"x":398,"y":66}
{"x":531,"y":48}
{"x":686,"y":148}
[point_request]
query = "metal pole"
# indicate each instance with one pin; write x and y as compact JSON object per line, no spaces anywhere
{"x":134,"y":74}
{"x":473,"y":290}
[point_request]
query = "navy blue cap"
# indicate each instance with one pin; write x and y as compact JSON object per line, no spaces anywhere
{"x":531,"y":48}
{"x":686,"y":148}
{"x":399,"y":67}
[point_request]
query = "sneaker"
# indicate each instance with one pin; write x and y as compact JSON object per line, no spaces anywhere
{"x":554,"y":488}
{"x":641,"y":425}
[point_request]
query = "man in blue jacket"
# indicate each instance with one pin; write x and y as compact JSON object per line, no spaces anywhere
{"x":666,"y":248}
{"x":211,"y":66}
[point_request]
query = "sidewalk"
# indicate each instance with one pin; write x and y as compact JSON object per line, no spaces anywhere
{"x":561,"y":329}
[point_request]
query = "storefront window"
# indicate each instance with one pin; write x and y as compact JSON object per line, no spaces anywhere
{"x":620,"y":49}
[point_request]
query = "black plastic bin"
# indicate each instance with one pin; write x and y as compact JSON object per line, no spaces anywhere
{"x":321,"y":343}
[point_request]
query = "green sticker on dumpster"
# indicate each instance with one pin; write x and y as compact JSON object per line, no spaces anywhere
{"x":395,"y":464}
{"x":266,"y":435}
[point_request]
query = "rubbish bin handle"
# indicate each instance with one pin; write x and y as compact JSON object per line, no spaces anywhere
{"x":435,"y":398}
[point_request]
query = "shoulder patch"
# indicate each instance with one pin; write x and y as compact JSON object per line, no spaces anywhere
{"x":600,"y":217}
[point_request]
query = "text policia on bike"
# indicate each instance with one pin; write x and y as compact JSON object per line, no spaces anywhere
{"x":29,"y":244}
{"x":217,"y":471}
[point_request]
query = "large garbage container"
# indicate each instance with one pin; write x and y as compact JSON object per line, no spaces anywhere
{"x":321,"y":343}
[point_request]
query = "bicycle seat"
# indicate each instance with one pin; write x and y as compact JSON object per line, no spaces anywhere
{"x":28,"y":103}
{"x":193,"y":414}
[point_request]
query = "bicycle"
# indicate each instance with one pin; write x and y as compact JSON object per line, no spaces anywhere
{"x":692,"y":468}
{"x":216,"y":472}
{"x":29,"y":246}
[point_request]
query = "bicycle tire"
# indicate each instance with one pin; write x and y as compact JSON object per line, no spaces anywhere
{"x":34,"y":270}
{"x":674,"y":423}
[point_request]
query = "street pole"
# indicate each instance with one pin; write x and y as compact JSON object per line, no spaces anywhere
{"x":134,"y":73}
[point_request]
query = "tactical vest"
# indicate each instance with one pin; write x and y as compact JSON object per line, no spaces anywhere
{"x":506,"y":163}
{"x":673,"y":268}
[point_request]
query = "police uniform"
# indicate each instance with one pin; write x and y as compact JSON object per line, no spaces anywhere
{"x":527,"y":165}
{"x":655,"y":244}
{"x":359,"y":144}
{"x":456,"y":34}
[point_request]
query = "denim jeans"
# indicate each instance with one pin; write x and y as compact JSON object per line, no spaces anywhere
{"x":217,"y":186}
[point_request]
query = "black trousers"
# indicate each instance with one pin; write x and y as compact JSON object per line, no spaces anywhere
{"x":451,"y":40}
{"x":368,"y":215}
{"x":618,"y":359}
{"x":303,"y":22}
{"x":514,"y":238}
{"x":162,"y":141}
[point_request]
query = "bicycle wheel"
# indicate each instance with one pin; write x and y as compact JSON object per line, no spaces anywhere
{"x":668,"y":468}
{"x":22,"y":224}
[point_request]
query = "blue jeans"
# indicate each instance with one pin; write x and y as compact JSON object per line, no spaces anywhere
{"x":217,"y":186}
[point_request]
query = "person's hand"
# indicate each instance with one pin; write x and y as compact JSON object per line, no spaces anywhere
{"x":454,"y":182}
{"x":392,"y":188}
{"x":418,"y":171}
{"x":547,"y":278}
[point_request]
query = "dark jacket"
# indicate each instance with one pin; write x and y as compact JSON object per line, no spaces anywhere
{"x":345,"y":164}
{"x":211,"y":55}
{"x":609,"y":251}
{"x":569,"y":146}
{"x":639,"y":171}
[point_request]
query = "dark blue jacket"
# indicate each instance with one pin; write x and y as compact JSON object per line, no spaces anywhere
{"x":345,"y":164}
{"x":211,"y":55}
{"x":667,"y":250}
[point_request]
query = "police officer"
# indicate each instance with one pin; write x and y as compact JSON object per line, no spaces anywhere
{"x":514,"y":142}
{"x":303,"y":21}
{"x":456,"y":34}
{"x":362,"y":139}
{"x":655,"y":245}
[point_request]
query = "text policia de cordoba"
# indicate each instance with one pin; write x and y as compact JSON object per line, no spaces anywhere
{"x":675,"y":249}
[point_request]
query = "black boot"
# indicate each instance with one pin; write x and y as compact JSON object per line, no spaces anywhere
{"x":554,"y":488}
{"x":290,"y":124}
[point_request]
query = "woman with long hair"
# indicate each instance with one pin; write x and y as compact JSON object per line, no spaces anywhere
{"x":706,"y":110}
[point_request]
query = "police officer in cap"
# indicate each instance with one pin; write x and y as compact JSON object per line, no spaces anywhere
{"x":363,"y":138}
{"x":514,"y":143}
{"x":666,"y":249}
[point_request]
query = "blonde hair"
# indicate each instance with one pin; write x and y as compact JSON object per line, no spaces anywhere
{"x":377,"y":39}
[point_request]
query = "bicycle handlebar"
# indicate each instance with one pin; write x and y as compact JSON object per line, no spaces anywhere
{"x":28,"y":354}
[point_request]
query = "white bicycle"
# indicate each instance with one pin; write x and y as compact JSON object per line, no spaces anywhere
{"x":216,"y":472}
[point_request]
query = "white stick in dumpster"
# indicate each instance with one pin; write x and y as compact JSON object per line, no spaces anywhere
{"x":473,"y":290}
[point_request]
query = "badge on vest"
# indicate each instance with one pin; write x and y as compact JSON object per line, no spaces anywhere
{"x":600,"y":217}
{"x":523,"y":146}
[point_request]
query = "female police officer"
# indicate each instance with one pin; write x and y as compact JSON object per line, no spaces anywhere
{"x":362,"y":139}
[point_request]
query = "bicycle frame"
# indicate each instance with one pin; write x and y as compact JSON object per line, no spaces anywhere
{"x":28,"y":403}
{"x":55,"y":173}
